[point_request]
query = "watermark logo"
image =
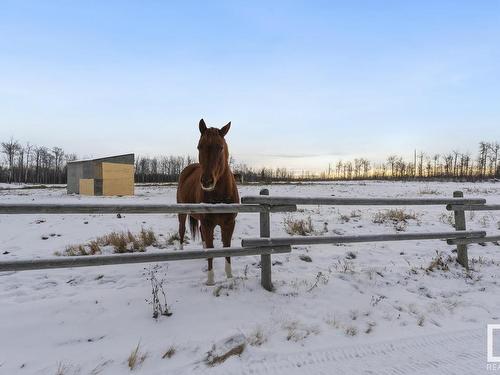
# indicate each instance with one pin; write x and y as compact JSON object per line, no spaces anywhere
{"x":492,"y":337}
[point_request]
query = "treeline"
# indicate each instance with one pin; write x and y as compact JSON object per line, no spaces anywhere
{"x":38,"y":164}
{"x":452,"y":165}
{"x":168,"y":168}
{"x":160,"y":168}
{"x":33,"y":164}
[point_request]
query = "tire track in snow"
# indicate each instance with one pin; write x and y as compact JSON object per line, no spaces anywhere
{"x":462,"y":352}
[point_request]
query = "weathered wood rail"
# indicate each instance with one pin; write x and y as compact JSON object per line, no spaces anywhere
{"x":265,"y":246}
{"x":276,"y":200}
{"x":104,"y":260}
{"x":473,"y":207}
{"x":143,"y":208}
{"x":318,"y":240}
{"x":471,"y":240}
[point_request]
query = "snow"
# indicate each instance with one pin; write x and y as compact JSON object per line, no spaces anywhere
{"x":89,"y":320}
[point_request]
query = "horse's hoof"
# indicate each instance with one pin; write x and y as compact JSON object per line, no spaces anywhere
{"x":181,"y":246}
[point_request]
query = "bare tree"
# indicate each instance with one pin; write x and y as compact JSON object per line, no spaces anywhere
{"x":10,"y":149}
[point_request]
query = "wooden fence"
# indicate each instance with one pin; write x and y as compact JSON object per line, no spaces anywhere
{"x":265,"y":246}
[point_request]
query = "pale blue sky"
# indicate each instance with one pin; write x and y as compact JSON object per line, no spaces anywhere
{"x":304,"y":83}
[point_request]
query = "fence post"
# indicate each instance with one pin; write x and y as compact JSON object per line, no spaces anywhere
{"x":265,"y":259}
{"x":462,"y":257}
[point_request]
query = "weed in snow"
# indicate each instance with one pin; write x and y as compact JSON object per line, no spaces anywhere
{"x":350,"y":255}
{"x":344,"y":266}
{"x":257,"y":337}
{"x":439,"y":263}
{"x":421,"y":320}
{"x":397,"y":216}
{"x":320,"y":278}
{"x":484,"y":221}
{"x":229,"y":285}
{"x":344,"y":218}
{"x":297,"y":331}
{"x":136,"y":358}
{"x":350,"y":331}
{"x":429,"y":191}
{"x":122,"y":242}
{"x":174,"y":238}
{"x":158,"y":299}
{"x":353,"y":314}
{"x":62,"y":368}
{"x":169,"y":353}
{"x":301,"y":227}
{"x":448,"y":219}
{"x":332,"y":321}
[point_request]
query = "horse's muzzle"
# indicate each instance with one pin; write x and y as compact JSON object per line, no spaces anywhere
{"x":208,"y":188}
{"x":207,"y":183}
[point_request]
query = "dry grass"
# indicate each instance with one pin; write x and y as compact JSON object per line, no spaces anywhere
{"x":344,"y":266}
{"x":297,"y":332}
{"x":421,"y":320}
{"x":136,"y":358}
{"x":484,"y":221}
{"x":428,"y":191}
{"x":439,"y":263}
{"x":394,"y":215}
{"x":355,"y":214}
{"x":320,"y":278}
{"x":61,"y":368}
{"x":332,"y":321}
{"x":213,"y":358}
{"x":257,"y":337}
{"x":122,"y":242}
{"x":301,"y":227}
{"x":350,"y":331}
{"x":344,"y":218}
{"x":169,"y":353}
{"x":448,"y":219}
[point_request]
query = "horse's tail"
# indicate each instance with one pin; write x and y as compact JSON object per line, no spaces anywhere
{"x":193,"y":225}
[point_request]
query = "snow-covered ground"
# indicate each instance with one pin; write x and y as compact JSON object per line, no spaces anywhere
{"x":372,"y":308}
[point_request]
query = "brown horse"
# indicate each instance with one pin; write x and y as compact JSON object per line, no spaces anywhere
{"x":209,"y":181}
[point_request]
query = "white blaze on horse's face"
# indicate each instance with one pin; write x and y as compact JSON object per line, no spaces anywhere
{"x":212,"y":155}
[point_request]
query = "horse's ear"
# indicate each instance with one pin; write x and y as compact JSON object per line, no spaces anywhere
{"x":225,"y":129}
{"x":203,"y":126}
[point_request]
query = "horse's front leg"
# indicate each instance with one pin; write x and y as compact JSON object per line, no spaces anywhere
{"x":207,"y":230}
{"x":227,"y":230}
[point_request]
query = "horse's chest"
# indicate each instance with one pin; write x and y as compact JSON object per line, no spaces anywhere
{"x":217,"y":197}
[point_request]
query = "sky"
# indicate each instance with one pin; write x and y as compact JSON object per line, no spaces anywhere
{"x":304,"y":83}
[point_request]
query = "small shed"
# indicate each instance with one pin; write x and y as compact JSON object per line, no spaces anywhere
{"x":112,"y":175}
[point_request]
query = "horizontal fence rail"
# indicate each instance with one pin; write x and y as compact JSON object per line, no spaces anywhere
{"x":143,"y":208}
{"x":265,"y":245}
{"x":318,"y":240}
{"x":473,"y":207}
{"x":276,"y":200}
{"x":103,"y":260}
{"x":465,"y":241}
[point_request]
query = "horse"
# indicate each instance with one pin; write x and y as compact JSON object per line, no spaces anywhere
{"x":209,"y":181}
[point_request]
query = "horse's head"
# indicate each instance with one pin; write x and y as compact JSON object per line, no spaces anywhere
{"x":213,"y":154}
